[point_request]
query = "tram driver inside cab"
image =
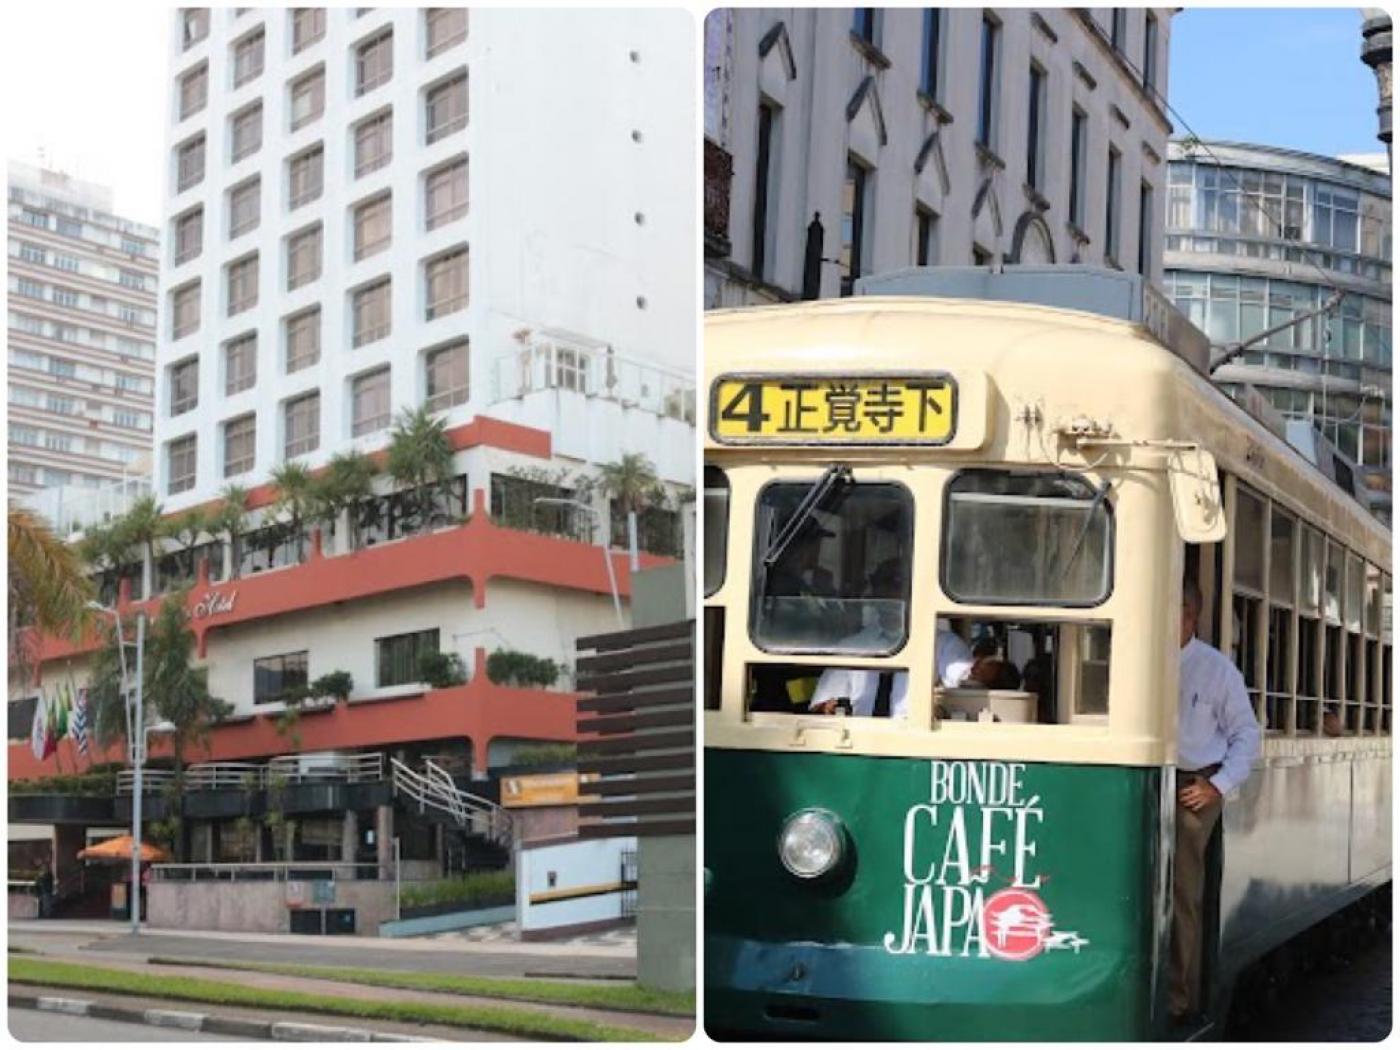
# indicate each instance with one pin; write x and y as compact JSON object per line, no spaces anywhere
{"x":885,"y":694}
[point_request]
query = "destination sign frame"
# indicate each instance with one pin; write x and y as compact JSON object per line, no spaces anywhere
{"x":833,"y":440}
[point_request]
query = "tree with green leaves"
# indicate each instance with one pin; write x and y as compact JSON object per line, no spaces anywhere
{"x":345,"y":483}
{"x":186,"y":529}
{"x":632,"y":483}
{"x":48,"y":590}
{"x":230,"y":519}
{"x":143,"y":527}
{"x":296,"y":497}
{"x":174,"y":688}
{"x":420,"y":458}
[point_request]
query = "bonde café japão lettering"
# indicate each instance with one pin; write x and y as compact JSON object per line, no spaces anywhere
{"x":973,"y":840}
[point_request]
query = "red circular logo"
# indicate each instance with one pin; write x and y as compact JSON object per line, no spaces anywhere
{"x":1015,"y":924}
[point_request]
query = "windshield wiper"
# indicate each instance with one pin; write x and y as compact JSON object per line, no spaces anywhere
{"x":837,"y":473}
{"x":1099,"y":497}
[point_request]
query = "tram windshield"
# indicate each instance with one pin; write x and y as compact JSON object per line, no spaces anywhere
{"x":1025,"y":538}
{"x":840,"y":583}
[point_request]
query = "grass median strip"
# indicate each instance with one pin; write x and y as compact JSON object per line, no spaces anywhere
{"x":627,"y":997}
{"x":524,"y":1023}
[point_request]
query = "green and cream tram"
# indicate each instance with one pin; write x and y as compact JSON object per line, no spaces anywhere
{"x":990,"y":856}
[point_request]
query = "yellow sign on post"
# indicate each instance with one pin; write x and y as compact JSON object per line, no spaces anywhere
{"x":543,"y":789}
{"x":907,"y":409}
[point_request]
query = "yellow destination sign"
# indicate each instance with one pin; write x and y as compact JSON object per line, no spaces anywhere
{"x":831,"y":410}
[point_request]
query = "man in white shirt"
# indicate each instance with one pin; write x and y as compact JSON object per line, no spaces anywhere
{"x":1217,"y":743}
{"x":886,"y":693}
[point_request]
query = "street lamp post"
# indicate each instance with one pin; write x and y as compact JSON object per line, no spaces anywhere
{"x":136,"y":739}
{"x":557,"y":501}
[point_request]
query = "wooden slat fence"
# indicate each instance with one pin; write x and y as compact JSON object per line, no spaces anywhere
{"x":636,"y":723}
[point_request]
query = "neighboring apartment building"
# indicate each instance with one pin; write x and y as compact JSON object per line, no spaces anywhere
{"x":81,"y":332}
{"x":1258,"y":234}
{"x":375,"y":209}
{"x":938,"y":136}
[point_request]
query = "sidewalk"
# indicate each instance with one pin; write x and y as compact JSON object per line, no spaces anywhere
{"x":617,"y":944}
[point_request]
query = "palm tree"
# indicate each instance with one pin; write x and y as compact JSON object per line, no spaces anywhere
{"x":296,"y":495}
{"x":230,"y":519}
{"x":177,"y":690}
{"x":48,"y":590}
{"x":420,"y":455}
{"x":105,"y":549}
{"x":347,"y":481}
{"x":143,"y":527}
{"x":186,"y":529}
{"x":632,"y":482}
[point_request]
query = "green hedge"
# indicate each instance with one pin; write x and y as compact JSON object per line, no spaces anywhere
{"x":544,"y":755}
{"x":478,"y":889}
{"x":101,"y":784}
{"x":509,"y":667}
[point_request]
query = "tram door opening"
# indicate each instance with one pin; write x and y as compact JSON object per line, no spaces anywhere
{"x":1205,"y":563}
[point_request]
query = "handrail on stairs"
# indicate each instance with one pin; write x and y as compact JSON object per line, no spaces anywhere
{"x":436,"y":789}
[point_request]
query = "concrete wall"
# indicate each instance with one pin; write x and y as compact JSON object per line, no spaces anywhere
{"x":259,"y":907}
{"x":566,"y":866}
{"x":666,"y":912}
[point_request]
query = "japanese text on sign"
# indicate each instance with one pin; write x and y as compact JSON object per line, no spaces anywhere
{"x":851,"y":411}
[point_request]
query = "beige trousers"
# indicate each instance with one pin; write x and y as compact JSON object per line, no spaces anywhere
{"x":1193,"y":831}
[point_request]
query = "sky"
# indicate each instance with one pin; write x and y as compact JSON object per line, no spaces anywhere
{"x":1289,"y":77}
{"x":86,"y":83}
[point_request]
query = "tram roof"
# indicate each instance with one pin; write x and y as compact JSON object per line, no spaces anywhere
{"x":1040,"y":351}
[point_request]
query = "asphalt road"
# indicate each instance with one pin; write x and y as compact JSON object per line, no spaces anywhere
{"x":43,"y":1026}
{"x":1349,"y":1004}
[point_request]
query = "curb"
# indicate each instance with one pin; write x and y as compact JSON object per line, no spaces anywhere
{"x":188,"y":1021}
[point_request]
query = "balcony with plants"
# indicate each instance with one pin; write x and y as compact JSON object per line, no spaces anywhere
{"x":336,"y":535}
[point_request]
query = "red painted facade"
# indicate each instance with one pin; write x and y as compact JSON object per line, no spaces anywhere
{"x":479,"y":711}
{"x":477,"y":552}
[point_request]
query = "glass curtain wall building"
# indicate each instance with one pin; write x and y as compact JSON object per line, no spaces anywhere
{"x":1256,"y":235}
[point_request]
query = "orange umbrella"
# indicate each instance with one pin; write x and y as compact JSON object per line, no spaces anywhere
{"x":119,"y":848}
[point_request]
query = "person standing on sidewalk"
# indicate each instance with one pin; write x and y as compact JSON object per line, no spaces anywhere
{"x":1217,"y":742}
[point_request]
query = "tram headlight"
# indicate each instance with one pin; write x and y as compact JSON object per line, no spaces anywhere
{"x":811,"y":843}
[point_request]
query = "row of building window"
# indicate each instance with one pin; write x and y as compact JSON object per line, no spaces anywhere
{"x":29,"y":436}
{"x":94,"y":269}
{"x":70,"y":405}
{"x":72,"y":299}
{"x":445,"y":291}
{"x":1272,"y":205}
{"x":372,"y":68}
{"x":444,"y":27}
{"x":51,"y":477}
{"x":1229,"y":308}
{"x":444,"y":199}
{"x":396,"y":661}
{"x":88,"y":339}
{"x":95,"y":227}
{"x":445,"y":372}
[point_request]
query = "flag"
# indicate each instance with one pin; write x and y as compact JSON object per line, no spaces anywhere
{"x":36,"y":732}
{"x":61,"y":702}
{"x":80,"y":721}
{"x":50,"y":724}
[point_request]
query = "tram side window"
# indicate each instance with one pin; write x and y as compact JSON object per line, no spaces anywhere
{"x":1333,"y":688}
{"x":1248,"y":594}
{"x":1310,"y":689}
{"x":1384,"y":614}
{"x":832,"y":576}
{"x":1027,"y":538}
{"x":993,"y":671}
{"x":1279,"y":660}
{"x":716,"y":527}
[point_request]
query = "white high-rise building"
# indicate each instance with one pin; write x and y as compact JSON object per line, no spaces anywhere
{"x":369,"y":209}
{"x":373,"y":210}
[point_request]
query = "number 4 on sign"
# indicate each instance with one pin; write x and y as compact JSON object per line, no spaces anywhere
{"x":746,"y":407}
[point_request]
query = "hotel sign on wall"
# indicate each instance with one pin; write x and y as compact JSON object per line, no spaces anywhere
{"x":213,"y":603}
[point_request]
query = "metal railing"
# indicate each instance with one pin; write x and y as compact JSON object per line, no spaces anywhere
{"x":559,"y":361}
{"x":435,"y":789}
{"x":252,"y":776}
{"x":267,"y":871}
